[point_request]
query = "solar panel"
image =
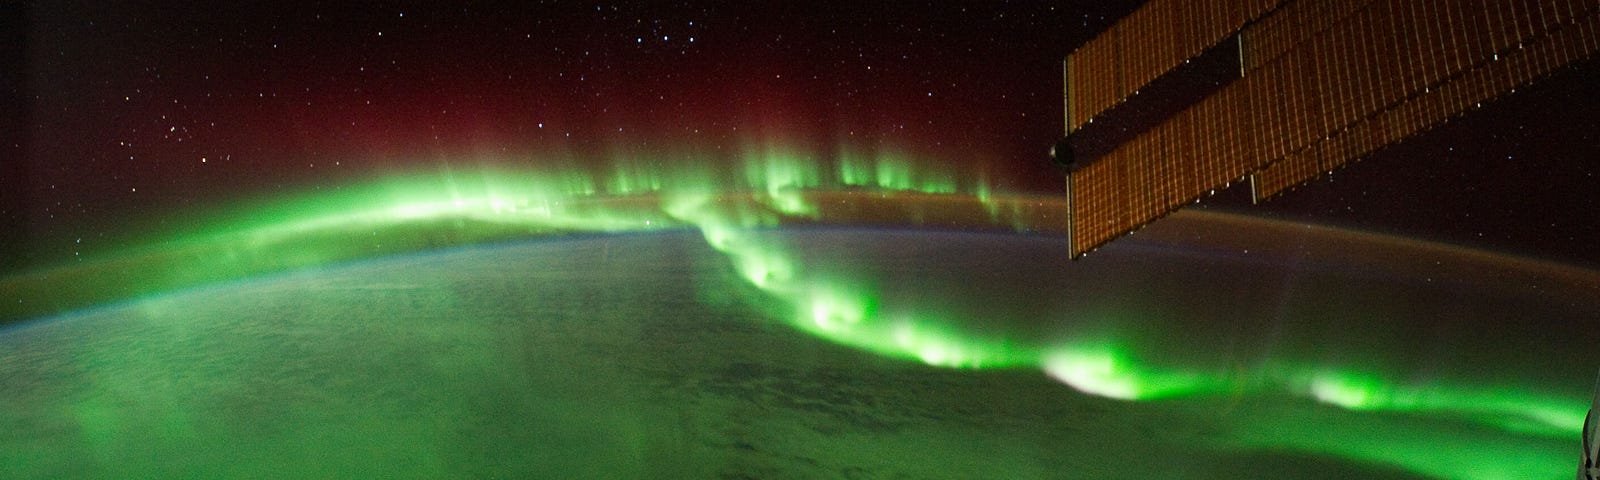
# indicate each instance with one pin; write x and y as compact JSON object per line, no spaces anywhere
{"x":1321,"y":83}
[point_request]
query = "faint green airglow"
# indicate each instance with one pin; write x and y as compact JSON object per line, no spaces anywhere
{"x":893,"y":171}
{"x":783,"y":176}
{"x":732,"y":209}
{"x":847,"y":314}
{"x":1427,"y":447}
{"x":1510,"y":410}
{"x":829,"y":309}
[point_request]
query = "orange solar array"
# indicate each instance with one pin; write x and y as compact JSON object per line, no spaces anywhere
{"x":1324,"y":82}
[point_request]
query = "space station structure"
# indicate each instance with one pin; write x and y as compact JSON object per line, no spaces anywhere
{"x":1184,"y":97}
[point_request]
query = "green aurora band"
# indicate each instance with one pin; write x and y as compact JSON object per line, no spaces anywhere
{"x":730,"y":207}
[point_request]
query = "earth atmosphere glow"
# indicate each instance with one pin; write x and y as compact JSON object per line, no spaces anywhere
{"x":729,"y":207}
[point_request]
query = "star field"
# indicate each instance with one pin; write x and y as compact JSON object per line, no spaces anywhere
{"x":136,"y":114}
{"x":153,"y":109}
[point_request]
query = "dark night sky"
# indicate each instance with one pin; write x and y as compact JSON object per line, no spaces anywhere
{"x":134,"y":111}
